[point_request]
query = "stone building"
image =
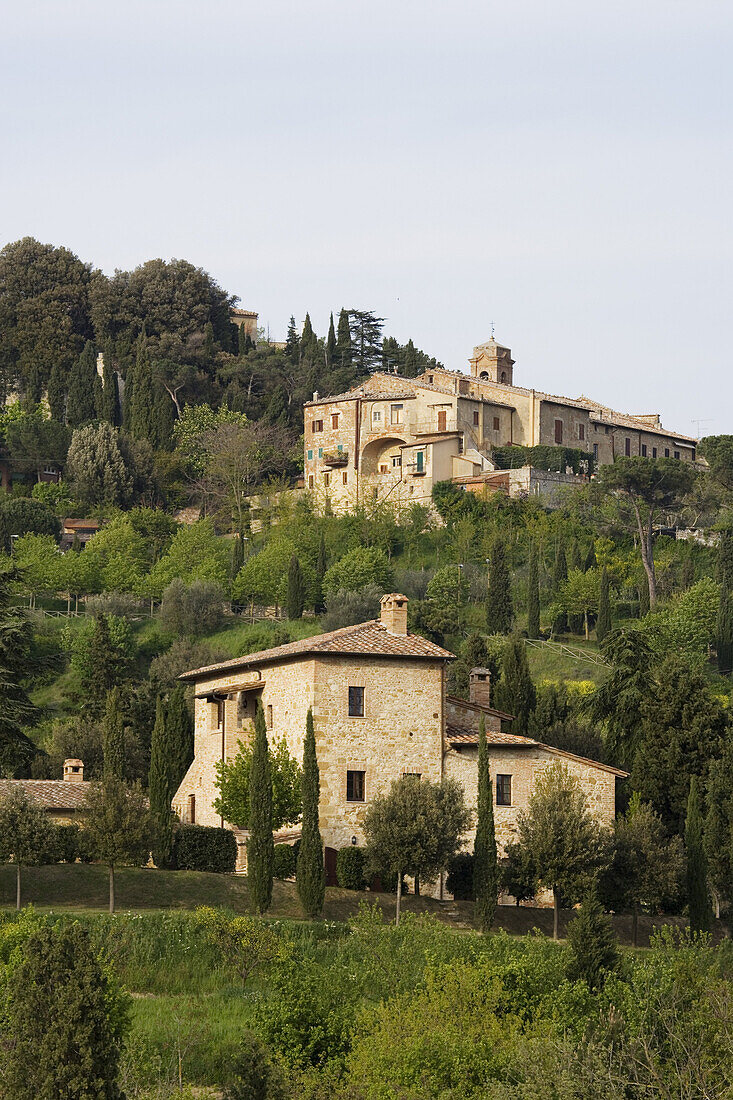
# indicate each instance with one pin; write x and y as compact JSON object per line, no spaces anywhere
{"x":63,"y":799}
{"x":392,"y":438}
{"x":381,"y":711}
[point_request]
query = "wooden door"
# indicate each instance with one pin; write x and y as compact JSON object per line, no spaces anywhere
{"x":330,"y":863}
{"x":442,"y":416}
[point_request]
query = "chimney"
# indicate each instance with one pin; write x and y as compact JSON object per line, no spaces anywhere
{"x":73,"y":771}
{"x":394,"y":613}
{"x":316,"y":395}
{"x":479,"y":687}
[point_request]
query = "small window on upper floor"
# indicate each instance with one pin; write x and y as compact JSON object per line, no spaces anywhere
{"x":676,"y":454}
{"x":643,"y":450}
{"x":595,"y":452}
{"x":242,"y":708}
{"x":475,"y":416}
{"x":269,"y":716}
{"x":503,"y":790}
{"x":376,"y":416}
{"x":430,"y":379}
{"x":326,"y":478}
{"x":220,"y":703}
{"x":581,"y":432}
{"x":497,"y":423}
{"x":396,"y":460}
{"x":310,"y":455}
{"x":666,"y":452}
{"x":334,"y":420}
{"x":356,"y":702}
{"x":627,"y":447}
{"x":310,"y":481}
{"x":355,"y":786}
{"x":558,"y":431}
{"x":654,"y":452}
{"x":345,"y":477}
{"x":317,"y":425}
{"x":396,"y":413}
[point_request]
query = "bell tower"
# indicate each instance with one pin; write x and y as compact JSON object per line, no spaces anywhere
{"x":491,"y":362}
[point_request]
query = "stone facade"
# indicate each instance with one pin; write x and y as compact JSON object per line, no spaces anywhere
{"x":380,"y":711}
{"x":393,"y":438}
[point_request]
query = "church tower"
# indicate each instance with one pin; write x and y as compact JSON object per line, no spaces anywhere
{"x":491,"y":362}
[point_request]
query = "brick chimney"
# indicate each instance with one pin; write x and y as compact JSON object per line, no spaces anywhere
{"x":73,"y":771}
{"x":479,"y":687}
{"x":394,"y":613}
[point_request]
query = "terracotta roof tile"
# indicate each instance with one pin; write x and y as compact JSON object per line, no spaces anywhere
{"x":457,"y":735}
{"x":54,"y":794}
{"x":370,"y":639}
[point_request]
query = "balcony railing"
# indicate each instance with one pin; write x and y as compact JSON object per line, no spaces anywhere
{"x":336,"y":458}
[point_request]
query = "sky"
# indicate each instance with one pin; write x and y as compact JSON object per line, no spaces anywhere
{"x":563,"y":170}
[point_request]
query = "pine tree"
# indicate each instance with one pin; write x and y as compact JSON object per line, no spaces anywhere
{"x":499,"y":610}
{"x":343,"y":341}
{"x":485,"y":865}
{"x":559,"y":576}
{"x":310,"y":876}
{"x":180,"y":737}
{"x":592,"y":943}
{"x":80,"y":406}
{"x":296,"y":589}
{"x":56,"y":393}
{"x":697,"y":868}
{"x":113,"y":736}
{"x":260,"y":846}
{"x":321,"y":566}
{"x":160,"y":789}
{"x":604,"y":623}
{"x":331,"y":344}
{"x":533,"y":601}
{"x":292,"y":343}
{"x":515,"y":691}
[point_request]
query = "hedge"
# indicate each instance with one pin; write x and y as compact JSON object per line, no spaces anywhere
{"x":201,"y":848}
{"x":350,"y":867}
{"x":284,"y":863}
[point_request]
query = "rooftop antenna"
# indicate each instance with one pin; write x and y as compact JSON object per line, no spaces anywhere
{"x":699,"y":421}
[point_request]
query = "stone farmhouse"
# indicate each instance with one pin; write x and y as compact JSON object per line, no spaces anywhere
{"x":64,"y":800}
{"x":381,"y":711}
{"x":392,"y":438}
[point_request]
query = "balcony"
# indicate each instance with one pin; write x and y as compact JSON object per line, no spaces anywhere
{"x":336,"y":458}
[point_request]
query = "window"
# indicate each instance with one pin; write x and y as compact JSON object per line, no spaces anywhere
{"x":666,"y":452}
{"x":376,"y":416}
{"x":581,"y":432}
{"x":219,"y":712}
{"x":396,"y":460}
{"x":442,"y":420}
{"x":643,"y":450}
{"x":475,"y":416}
{"x":595,"y":452}
{"x":269,"y":716}
{"x":419,"y":461}
{"x":627,"y":447}
{"x":414,"y":775}
{"x":356,"y":702}
{"x":355,"y":786}
{"x":334,"y":420}
{"x":503,"y":790}
{"x":310,"y":455}
{"x":320,"y":452}
{"x":496,"y":423}
{"x":326,"y":478}
{"x":317,"y":425}
{"x":430,"y":379}
{"x":654,"y":452}
{"x":241,"y":707}
{"x":310,"y":481}
{"x":192,"y":809}
{"x":345,"y":478}
{"x":383,"y":468}
{"x":396,"y":414}
{"x":676,"y":454}
{"x":558,"y":431}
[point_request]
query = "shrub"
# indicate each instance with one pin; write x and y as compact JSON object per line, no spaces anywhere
{"x":284,"y":861}
{"x":202,"y":848}
{"x":255,"y":1075}
{"x":23,"y":516}
{"x":121,"y":604}
{"x":66,"y":843}
{"x":350,"y":868}
{"x":349,"y":608}
{"x":193,"y":609}
{"x":460,"y":877}
{"x":359,"y":567}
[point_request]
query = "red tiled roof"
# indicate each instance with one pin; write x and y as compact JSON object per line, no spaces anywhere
{"x":53,"y":794}
{"x":369,"y":639}
{"x":456,"y":735}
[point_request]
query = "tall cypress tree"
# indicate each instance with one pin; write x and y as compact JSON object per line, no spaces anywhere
{"x":604,"y":624}
{"x":485,"y":865}
{"x":559,"y":576}
{"x":159,"y":787}
{"x":56,"y":393}
{"x":310,"y":876}
{"x":110,"y":393}
{"x":80,"y":405}
{"x":344,"y":353}
{"x":142,"y":400}
{"x":499,"y":610}
{"x":296,"y":589}
{"x":292,"y":343}
{"x":237,"y":557}
{"x":331,"y":344}
{"x":533,"y":597}
{"x":260,"y":846}
{"x":515,"y":691}
{"x":321,"y":566}
{"x":697,"y":867}
{"x":724,"y":625}
{"x":179,"y":726}
{"x":243,"y":341}
{"x":576,"y":623}
{"x":113,"y":737}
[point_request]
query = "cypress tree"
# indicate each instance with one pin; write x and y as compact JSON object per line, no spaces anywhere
{"x":724,"y":632}
{"x":179,"y":737}
{"x":105,"y":669}
{"x":113,"y":736}
{"x":4,"y":533}
{"x":260,"y":846}
{"x":331,"y":344}
{"x":343,"y":340}
{"x":533,"y":599}
{"x":237,"y":558}
{"x":307,"y":336}
{"x":292,"y":343}
{"x":485,"y":865}
{"x":209,"y":343}
{"x":110,"y":394}
{"x":296,"y":589}
{"x":310,"y":876}
{"x":499,"y":610}
{"x":80,"y":405}
{"x":725,"y":559}
{"x":321,"y":566}
{"x":242,"y":340}
{"x":142,"y":400}
{"x":559,"y":576}
{"x":56,"y":393}
{"x":515,"y":690}
{"x":697,"y":867}
{"x":591,"y":561}
{"x":159,"y":787}
{"x":592,"y":943}
{"x":576,"y":623}
{"x":604,"y":624}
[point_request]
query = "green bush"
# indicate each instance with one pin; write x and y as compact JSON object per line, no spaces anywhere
{"x":66,"y":843}
{"x":201,"y":848}
{"x":460,"y":877}
{"x":284,"y":863}
{"x":350,"y":868}
{"x":255,"y":1076}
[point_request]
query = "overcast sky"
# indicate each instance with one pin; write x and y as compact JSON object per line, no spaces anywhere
{"x":562,"y":169}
